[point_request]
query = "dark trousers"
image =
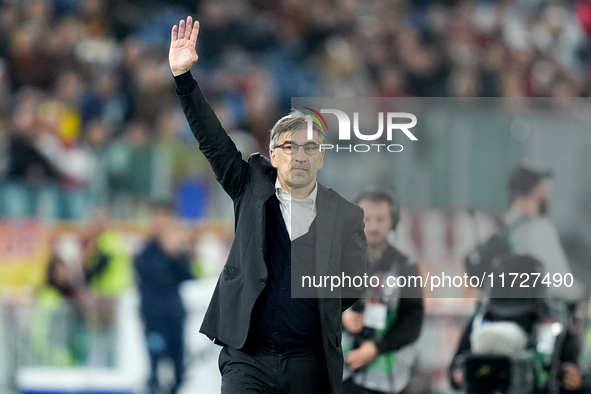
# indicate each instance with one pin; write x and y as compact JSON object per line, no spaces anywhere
{"x":270,"y":372}
{"x":165,"y":340}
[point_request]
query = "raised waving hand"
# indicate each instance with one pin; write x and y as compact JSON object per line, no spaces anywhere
{"x":182,"y":54}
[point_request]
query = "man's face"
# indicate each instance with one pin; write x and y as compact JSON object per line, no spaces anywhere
{"x":541,"y":193}
{"x":378,"y":221}
{"x":296,"y":170}
{"x":62,"y":276}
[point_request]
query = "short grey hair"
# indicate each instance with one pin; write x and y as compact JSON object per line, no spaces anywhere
{"x":294,"y":121}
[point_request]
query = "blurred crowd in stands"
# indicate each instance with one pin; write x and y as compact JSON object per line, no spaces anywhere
{"x":89,"y":117}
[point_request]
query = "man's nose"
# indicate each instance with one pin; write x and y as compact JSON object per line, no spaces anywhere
{"x":300,"y":155}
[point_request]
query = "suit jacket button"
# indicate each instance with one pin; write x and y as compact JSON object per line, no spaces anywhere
{"x":262,"y":280}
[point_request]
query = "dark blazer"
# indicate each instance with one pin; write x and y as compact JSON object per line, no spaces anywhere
{"x":340,"y":243}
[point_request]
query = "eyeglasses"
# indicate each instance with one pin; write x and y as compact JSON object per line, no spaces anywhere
{"x":292,"y":148}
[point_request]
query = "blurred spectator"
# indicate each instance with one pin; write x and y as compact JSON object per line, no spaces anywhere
{"x":184,"y":160}
{"x":59,"y":142}
{"x":28,"y":61}
{"x":105,"y":99}
{"x":95,"y":140}
{"x":532,"y":232}
{"x":5,"y":96}
{"x":108,"y":272}
{"x":134,"y":170}
{"x":344,"y":72}
{"x":161,"y":267}
{"x":181,"y":174}
{"x":107,"y":259}
{"x":30,"y":184}
{"x":4,"y":147}
{"x":58,"y":331}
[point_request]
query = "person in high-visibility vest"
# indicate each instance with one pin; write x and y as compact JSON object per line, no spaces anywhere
{"x":59,"y":337}
{"x":108,"y":271}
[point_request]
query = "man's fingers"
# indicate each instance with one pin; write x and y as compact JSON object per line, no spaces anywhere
{"x":186,"y":30}
{"x":182,"y":29}
{"x":189,"y":27}
{"x":174,"y":33}
{"x":194,"y":33}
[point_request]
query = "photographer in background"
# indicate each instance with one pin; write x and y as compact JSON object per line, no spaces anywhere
{"x":380,"y":328}
{"x":527,"y":232}
{"x":532,"y":232}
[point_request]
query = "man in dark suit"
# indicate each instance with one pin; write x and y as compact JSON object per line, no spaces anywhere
{"x":161,"y":267}
{"x":274,"y":343}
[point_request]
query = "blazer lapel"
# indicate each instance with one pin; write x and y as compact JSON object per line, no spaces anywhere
{"x":264,"y":190}
{"x":326,"y":216}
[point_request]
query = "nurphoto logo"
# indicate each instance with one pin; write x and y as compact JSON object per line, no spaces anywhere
{"x":345,"y":130}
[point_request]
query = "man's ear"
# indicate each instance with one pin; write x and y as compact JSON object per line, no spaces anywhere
{"x":273,"y":157}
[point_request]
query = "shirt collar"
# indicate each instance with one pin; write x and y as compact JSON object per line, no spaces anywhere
{"x":311,"y":199}
{"x":514,"y":215}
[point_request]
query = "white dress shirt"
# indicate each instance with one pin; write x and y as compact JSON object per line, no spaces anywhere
{"x":298,"y":214}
